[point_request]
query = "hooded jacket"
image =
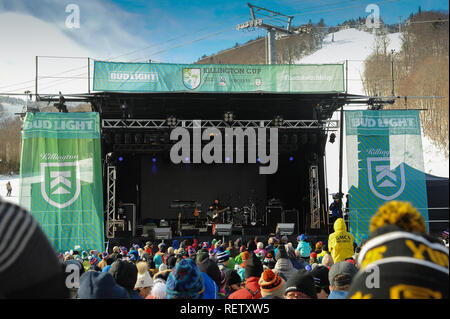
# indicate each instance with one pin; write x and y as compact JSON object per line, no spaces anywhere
{"x":251,"y":284}
{"x":340,"y":243}
{"x":304,"y":248}
{"x":284,"y":268}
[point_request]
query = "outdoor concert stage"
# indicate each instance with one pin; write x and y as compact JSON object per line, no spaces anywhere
{"x":139,"y":173}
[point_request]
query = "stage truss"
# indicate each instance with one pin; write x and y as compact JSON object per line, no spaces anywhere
{"x":326,"y":125}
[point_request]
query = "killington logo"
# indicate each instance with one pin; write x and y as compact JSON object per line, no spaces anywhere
{"x":192,"y":78}
{"x":385,"y":184}
{"x":60,"y":184}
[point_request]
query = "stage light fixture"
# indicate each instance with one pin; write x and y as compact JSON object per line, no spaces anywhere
{"x":147,"y":138}
{"x":285,"y":229}
{"x":154,"y":159}
{"x":228,"y":117}
{"x":332,"y":138}
{"x":291,"y":158}
{"x":120,"y":159}
{"x":278,"y":121}
{"x":117,"y":138}
{"x":172,"y":121}
{"x":284,"y":139}
{"x":294,"y":139}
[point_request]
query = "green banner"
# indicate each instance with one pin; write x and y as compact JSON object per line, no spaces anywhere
{"x":231,"y":78}
{"x":384,"y":163}
{"x":61,"y":178}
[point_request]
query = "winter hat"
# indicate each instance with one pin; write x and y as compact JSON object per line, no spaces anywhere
{"x":327,"y":260}
{"x":191,"y":251}
{"x":205,"y":245}
{"x":302,"y":281}
{"x":143,"y":280}
{"x":253,"y":267}
{"x":105,"y":255}
{"x":242,"y":249}
{"x":244,"y":257}
{"x":271,"y":284}
{"x":233,"y":278}
{"x":320,"y":274}
{"x":124,"y":273}
{"x":185,"y":281}
{"x":210,"y":268}
{"x":201,"y":255}
{"x":410,"y":265}
{"x":281,"y":253}
{"x":171,"y":261}
{"x":222,"y":256}
{"x":162,"y":267}
{"x":100,"y":285}
{"x":302,"y":237}
{"x":84,"y":255}
{"x":401,"y":214}
{"x":313,"y":255}
{"x":342,"y":268}
{"x":319,"y":245}
{"x":93,"y":261}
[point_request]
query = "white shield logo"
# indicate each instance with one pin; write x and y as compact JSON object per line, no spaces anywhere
{"x":191,"y":78}
{"x":60,"y":183}
{"x":385,"y":179}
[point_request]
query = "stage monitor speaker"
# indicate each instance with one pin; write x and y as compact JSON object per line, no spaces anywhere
{"x":272,"y":217}
{"x":223,"y":229}
{"x":285,"y":229}
{"x":292,"y":216}
{"x":163,"y":233}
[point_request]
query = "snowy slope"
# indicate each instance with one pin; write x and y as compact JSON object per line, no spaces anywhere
{"x":355,"y":46}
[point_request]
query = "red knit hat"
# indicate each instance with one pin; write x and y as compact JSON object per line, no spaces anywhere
{"x":313,"y":255}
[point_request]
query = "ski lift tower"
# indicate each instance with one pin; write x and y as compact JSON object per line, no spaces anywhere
{"x":273,"y":31}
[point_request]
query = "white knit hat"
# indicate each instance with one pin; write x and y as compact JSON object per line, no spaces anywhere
{"x":144,"y":280}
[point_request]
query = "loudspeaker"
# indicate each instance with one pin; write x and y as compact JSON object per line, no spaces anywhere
{"x":292,"y":216}
{"x":223,"y":229}
{"x":272,"y":217}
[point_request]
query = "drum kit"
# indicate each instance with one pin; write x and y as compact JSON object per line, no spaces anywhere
{"x":238,"y":216}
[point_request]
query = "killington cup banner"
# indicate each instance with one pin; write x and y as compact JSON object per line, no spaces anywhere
{"x":384,"y":163}
{"x":61,"y":178}
{"x":165,"y":77}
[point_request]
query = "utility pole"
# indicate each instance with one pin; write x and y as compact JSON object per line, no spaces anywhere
{"x":392,"y":71}
{"x":272,"y":30}
{"x":400,"y":24}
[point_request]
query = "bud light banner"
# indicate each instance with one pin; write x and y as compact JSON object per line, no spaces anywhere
{"x":164,"y":77}
{"x":384,"y":163}
{"x":61,"y":178}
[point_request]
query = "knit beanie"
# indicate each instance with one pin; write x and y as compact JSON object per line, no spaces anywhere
{"x":222,"y":256}
{"x":302,"y":281}
{"x":410,"y":265}
{"x":281,"y":253}
{"x":401,"y":214}
{"x":125,"y":273}
{"x":210,"y":268}
{"x":271,"y":284}
{"x":202,"y":254}
{"x":29,"y":267}
{"x":253,"y":267}
{"x":185,"y":281}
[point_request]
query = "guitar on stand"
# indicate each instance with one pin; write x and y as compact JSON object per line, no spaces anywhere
{"x":179,"y":224}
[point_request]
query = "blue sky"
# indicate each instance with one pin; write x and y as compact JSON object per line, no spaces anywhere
{"x":169,"y":30}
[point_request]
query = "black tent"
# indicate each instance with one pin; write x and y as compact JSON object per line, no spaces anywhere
{"x":438,"y":212}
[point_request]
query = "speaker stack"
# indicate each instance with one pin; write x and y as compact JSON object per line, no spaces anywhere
{"x":272,"y":217}
{"x":292,"y":216}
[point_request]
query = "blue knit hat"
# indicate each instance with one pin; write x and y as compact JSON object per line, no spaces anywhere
{"x":222,"y":256}
{"x":302,"y":237}
{"x":185,"y":281}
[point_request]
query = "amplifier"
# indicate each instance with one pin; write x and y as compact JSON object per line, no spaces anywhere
{"x":272,"y":217}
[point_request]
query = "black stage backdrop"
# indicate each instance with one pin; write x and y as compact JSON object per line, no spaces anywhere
{"x":153,"y":185}
{"x":163,"y":181}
